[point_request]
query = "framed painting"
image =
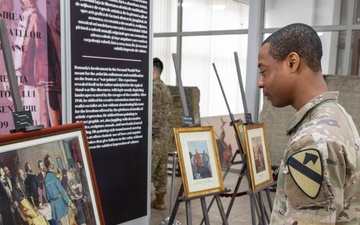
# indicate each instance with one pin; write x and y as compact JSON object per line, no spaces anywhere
{"x":47,"y":169}
{"x":199,"y":160}
{"x":226,"y":139}
{"x":258,"y":156}
{"x":240,"y":134}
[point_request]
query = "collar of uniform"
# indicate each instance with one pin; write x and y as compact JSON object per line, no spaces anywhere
{"x":299,"y":115}
{"x":50,"y":171}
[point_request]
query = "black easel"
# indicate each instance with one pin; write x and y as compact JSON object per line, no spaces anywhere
{"x":180,"y":197}
{"x":248,"y":119}
{"x":253,"y":197}
{"x":22,"y":119}
{"x":256,"y":201}
{"x":187,"y":120}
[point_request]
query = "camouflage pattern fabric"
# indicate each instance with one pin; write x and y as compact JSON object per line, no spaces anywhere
{"x":322,"y":126}
{"x":161,"y":111}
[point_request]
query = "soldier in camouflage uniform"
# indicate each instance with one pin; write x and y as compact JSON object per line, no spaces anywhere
{"x":160,"y":134}
{"x":319,"y":176}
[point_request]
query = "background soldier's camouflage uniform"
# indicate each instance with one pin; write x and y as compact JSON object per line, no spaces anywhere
{"x":324,"y":125}
{"x":161,"y":132}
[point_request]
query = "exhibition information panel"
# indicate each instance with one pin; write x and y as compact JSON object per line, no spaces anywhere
{"x":110,"y":86}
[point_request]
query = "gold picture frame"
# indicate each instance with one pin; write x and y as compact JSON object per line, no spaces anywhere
{"x":199,"y":160}
{"x":240,"y":133}
{"x":258,"y":156}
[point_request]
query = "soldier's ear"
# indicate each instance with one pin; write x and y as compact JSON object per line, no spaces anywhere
{"x":293,"y":61}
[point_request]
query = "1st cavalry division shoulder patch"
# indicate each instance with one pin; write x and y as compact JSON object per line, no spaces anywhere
{"x":306,"y":169}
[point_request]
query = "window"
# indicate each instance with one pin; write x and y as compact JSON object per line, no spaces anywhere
{"x":165,"y":16}
{"x":210,"y":31}
{"x":199,"y":53}
{"x":215,"y":15}
{"x":279,"y":13}
{"x":336,"y":22}
{"x":202,"y":40}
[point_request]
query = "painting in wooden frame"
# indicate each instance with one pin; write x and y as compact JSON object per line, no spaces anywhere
{"x":240,"y":134}
{"x":59,"y":159}
{"x":258,"y":156}
{"x":199,"y":160}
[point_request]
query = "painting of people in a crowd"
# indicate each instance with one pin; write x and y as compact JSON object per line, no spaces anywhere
{"x":46,"y":181}
{"x":199,"y":158}
{"x":258,"y":152}
{"x":258,"y":157}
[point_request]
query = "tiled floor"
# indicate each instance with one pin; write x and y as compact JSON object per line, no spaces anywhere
{"x":240,"y":212}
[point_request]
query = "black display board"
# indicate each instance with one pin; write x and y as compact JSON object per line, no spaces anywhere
{"x":110,"y":84}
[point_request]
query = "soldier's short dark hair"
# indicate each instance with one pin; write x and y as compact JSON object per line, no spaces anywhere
{"x":299,"y":38}
{"x":158,"y":64}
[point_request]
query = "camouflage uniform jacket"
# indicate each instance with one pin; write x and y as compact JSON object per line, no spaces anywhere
{"x":319,"y":176}
{"x":161,"y":109}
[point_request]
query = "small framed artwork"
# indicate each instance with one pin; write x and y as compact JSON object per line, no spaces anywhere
{"x":199,"y":160}
{"x":51,"y":168}
{"x":258,"y":156}
{"x":240,"y":134}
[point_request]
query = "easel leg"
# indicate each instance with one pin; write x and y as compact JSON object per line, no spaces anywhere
{"x":221,"y":210}
{"x":253,"y":207}
{"x":211,"y":202}
{"x":188,"y":212}
{"x":265,"y":211}
{"x":233,"y":197}
{"x":205,"y":212}
{"x":236,"y":190}
{"x":263,"y":214}
{"x":269,"y":199}
{"x":176,"y":206}
{"x":224,"y":176}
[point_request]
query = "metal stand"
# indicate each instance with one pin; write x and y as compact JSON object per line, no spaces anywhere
{"x":258,"y":205}
{"x":256,"y":201}
{"x":166,"y":220}
{"x":22,"y":119}
{"x":181,"y":198}
{"x":188,"y":121}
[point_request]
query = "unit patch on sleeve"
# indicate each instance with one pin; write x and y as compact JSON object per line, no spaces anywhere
{"x":306,"y":169}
